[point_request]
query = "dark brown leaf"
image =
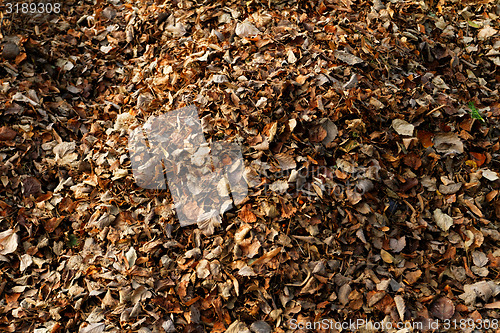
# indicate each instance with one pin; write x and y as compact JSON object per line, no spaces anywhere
{"x":442,"y":308}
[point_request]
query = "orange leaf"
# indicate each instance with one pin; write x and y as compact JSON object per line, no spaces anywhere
{"x":51,"y":224}
{"x":218,"y":327}
{"x":20,"y":58}
{"x":490,"y":196}
{"x":322,"y":8}
{"x":247,"y":215}
{"x":480,"y":158}
{"x":44,"y":197}
{"x":330,"y":28}
{"x":301,"y":79}
{"x":266,"y":257}
{"x":254,"y":38}
{"x":473,"y":208}
{"x":425,"y":138}
{"x":192,"y":301}
{"x":467,"y":124}
{"x":12,"y":298}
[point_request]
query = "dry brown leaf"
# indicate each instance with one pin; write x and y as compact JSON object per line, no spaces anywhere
{"x":442,"y":308}
{"x":266,"y":257}
{"x":7,"y":133}
{"x":247,"y":215}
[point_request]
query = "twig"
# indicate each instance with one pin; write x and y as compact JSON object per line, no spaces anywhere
{"x":309,"y":274}
{"x":435,"y":109}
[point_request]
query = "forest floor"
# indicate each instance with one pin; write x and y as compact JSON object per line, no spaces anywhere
{"x":369,"y":132}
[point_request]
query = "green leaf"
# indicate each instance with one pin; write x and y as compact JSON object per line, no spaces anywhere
{"x":475,"y":112}
{"x":473,"y":24}
{"x":72,"y":240}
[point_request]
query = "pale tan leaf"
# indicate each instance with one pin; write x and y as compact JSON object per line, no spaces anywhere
{"x":443,"y":220}
{"x":8,"y":241}
{"x":386,"y":256}
{"x":400,"y":306}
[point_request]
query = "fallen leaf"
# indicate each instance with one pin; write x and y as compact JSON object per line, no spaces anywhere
{"x":448,"y":143}
{"x":412,"y":277}
{"x":400,"y":306}
{"x":246,"y":271}
{"x":131,"y":256}
{"x":442,"y":308}
{"x":286,"y":161}
{"x":483,"y":290}
{"x":246,"y":29}
{"x":486,"y":32}
{"x":7,"y":133}
{"x":237,"y":327}
{"x":266,"y":257}
{"x":479,"y":158}
{"x":331,"y":131}
{"x":65,"y":154}
{"x":26,"y":262}
{"x":479,"y":258}
{"x":203,"y":269}
{"x":386,"y":256}
{"x":470,"y":204}
{"x":344,"y":292}
{"x":260,"y":326}
{"x":490,"y":175}
{"x":425,"y":138}
{"x":443,"y":220}
{"x":348,"y":58}
{"x":31,"y":186}
{"x":450,"y":188}
{"x":317,"y":134}
{"x":402,"y":127}
{"x":8,"y":241}
{"x":10,"y":51}
{"x":397,"y":245}
{"x":494,"y":305}
{"x":246,"y":214}
{"x":93,"y":328}
{"x":51,"y":224}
